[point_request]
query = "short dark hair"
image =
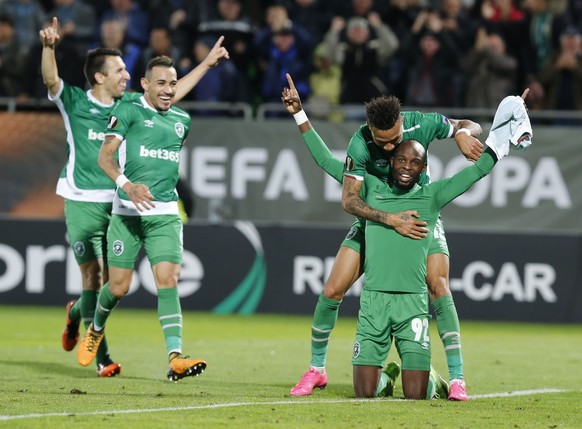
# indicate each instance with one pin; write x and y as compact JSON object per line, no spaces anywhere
{"x":159,"y":61}
{"x":95,"y":62}
{"x":383,"y":112}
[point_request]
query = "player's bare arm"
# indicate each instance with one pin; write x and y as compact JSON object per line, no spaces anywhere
{"x":214,"y":57}
{"x":405,"y":223}
{"x":139,"y":194}
{"x":292,"y":102}
{"x":465,"y":132}
{"x":49,"y":37}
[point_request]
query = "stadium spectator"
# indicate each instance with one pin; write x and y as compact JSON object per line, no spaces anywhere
{"x":348,"y":267}
{"x":431,"y":59}
{"x":135,"y":20}
{"x":492,"y":72}
{"x":180,"y":17}
{"x":325,"y":83}
{"x":28,"y":15}
{"x":313,"y":15}
{"x":78,"y":24}
{"x":12,"y":59}
{"x":282,"y":47}
{"x":160,"y":44}
{"x":545,"y":26}
{"x":238,"y":31}
{"x":562,"y":74}
{"x":361,"y":47}
{"x":221,"y":83}
{"x":399,"y":15}
{"x":350,"y":8}
{"x":113,"y":36}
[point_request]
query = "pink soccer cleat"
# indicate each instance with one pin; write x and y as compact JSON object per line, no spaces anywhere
{"x":457,"y":391}
{"x":308,"y":382}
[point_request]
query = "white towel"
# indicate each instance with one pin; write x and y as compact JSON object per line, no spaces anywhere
{"x":510,"y":125}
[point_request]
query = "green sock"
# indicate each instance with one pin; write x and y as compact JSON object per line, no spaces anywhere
{"x":105,"y":303}
{"x":75,"y":311}
{"x":170,"y":316}
{"x":450,"y":333}
{"x":324,"y":319}
{"x":88,"y":302}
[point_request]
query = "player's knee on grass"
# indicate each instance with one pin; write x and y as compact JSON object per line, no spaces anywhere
{"x":415,"y":373}
{"x":366,"y":381}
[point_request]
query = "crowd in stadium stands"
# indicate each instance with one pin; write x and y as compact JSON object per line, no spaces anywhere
{"x":446,"y":53}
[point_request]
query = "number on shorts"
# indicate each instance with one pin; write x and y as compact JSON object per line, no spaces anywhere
{"x":420,"y":329}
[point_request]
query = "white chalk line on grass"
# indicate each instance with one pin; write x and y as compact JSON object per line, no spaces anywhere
{"x":247,"y":404}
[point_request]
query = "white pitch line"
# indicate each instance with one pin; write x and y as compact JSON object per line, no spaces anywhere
{"x":246,"y":404}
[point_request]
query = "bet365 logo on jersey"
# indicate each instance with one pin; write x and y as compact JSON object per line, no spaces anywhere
{"x":159,"y":154}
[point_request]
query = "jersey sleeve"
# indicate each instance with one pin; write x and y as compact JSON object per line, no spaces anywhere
{"x":322,"y":155}
{"x":446,"y":190}
{"x":356,"y":158}
{"x":67,"y":94}
{"x":440,"y":124}
{"x":119,"y":121}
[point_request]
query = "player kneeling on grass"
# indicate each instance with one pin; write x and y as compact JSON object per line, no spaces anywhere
{"x":394,"y":302}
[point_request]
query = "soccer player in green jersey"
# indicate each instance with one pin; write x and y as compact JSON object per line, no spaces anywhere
{"x":145,"y":209}
{"x":369,"y":151}
{"x":394,"y":301}
{"x":87,"y":191}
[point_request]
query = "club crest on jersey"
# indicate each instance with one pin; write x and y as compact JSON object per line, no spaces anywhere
{"x":79,"y":248}
{"x":179,"y":127}
{"x":356,"y":350}
{"x":113,"y":122}
{"x":118,"y":247}
{"x":351,"y":233}
{"x":349,"y":164}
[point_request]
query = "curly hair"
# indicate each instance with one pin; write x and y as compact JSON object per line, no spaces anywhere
{"x":383,"y":112}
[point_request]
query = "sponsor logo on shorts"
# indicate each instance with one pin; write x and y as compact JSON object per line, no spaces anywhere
{"x":118,"y":247}
{"x":79,"y":248}
{"x":424,"y":345}
{"x":352,"y":233}
{"x":382,"y":163}
{"x":356,"y":350}
{"x":180,"y":130}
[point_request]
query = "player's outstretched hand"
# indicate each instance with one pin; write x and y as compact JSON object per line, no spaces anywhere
{"x":49,"y":36}
{"x":524,"y":95}
{"x":217,"y":53}
{"x":290,"y":97}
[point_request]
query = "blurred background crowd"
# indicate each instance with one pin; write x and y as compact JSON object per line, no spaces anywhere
{"x":445,"y":53}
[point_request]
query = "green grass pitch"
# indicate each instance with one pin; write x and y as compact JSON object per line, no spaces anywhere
{"x":518,"y":375}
